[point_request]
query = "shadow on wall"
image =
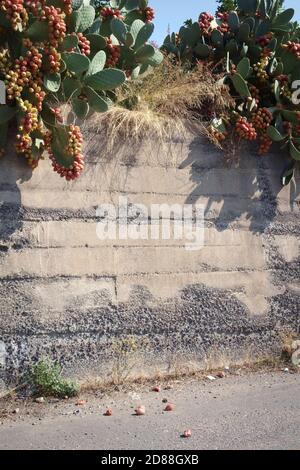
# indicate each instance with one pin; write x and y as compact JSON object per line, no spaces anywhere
{"x":13,"y":172}
{"x":248,"y":192}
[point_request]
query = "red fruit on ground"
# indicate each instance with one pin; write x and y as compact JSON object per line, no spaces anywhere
{"x":108,"y":412}
{"x":169,"y":407}
{"x":140,"y":411}
{"x":80,"y":402}
{"x":221,"y":374}
{"x":187,"y":433}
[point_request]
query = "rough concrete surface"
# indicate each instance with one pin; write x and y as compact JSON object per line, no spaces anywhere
{"x":66,"y":294}
{"x":256,"y":411}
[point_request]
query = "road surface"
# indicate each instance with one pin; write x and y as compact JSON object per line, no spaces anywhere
{"x":256,"y":411}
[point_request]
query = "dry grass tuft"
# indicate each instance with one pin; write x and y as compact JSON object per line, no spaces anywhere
{"x":183,"y":371}
{"x":288,"y":337}
{"x":168,"y":104}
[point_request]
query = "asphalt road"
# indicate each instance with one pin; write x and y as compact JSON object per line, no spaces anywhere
{"x":256,"y":411}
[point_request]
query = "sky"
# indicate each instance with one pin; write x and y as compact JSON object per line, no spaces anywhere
{"x":175,"y":12}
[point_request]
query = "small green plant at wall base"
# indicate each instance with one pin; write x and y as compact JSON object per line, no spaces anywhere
{"x":45,"y":378}
{"x":254,"y":49}
{"x":74,"y":52}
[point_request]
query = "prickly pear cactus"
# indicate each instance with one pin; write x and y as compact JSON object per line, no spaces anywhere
{"x":67,"y":51}
{"x":256,"y":48}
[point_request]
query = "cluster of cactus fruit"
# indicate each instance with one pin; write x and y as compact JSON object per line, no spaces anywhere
{"x":73,"y":52}
{"x":255,"y":48}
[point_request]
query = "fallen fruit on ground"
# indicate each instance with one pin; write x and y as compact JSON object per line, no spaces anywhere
{"x":169,"y":407}
{"x":221,"y":374}
{"x":108,"y":412}
{"x":140,"y":410}
{"x":80,"y":402}
{"x":187,"y":433}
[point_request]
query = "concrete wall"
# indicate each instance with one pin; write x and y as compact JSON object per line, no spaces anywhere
{"x":68,"y":295}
